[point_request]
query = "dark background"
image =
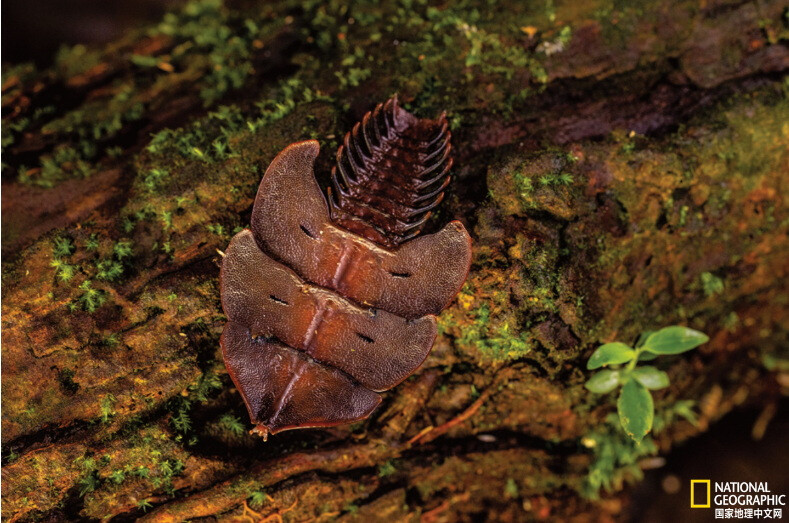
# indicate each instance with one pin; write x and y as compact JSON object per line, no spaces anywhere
{"x":726,"y":452}
{"x":33,"y":30}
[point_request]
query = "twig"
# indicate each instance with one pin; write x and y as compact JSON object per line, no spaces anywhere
{"x":430,"y":433}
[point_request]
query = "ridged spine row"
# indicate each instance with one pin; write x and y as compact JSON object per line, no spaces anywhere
{"x":391,"y":171}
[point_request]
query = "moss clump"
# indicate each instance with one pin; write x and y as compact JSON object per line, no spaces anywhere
{"x":680,"y":195}
{"x":90,"y":299}
{"x":211,"y":138}
{"x":543,"y":182}
{"x":98,"y":258}
{"x":144,"y":463}
{"x":454,"y":57}
{"x":496,"y":340}
{"x":212,"y":38}
{"x":74,"y":60}
{"x":208,"y":384}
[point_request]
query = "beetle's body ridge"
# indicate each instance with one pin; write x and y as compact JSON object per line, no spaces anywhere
{"x":330,"y":300}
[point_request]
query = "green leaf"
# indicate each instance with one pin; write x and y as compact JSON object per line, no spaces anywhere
{"x":650,"y":377}
{"x":642,"y":338}
{"x":685,"y":409}
{"x":646,"y":356}
{"x":610,"y":354}
{"x":636,"y":410}
{"x":674,"y":340}
{"x":604,"y":381}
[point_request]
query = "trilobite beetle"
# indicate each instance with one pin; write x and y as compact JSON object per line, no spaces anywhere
{"x":332,"y":298}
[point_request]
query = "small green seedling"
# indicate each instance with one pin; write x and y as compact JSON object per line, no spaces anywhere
{"x":635,"y":406}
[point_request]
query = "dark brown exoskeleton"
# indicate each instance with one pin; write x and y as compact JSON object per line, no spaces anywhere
{"x":328,"y":303}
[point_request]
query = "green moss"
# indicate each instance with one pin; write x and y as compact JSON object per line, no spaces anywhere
{"x":213,"y":38}
{"x":541,"y":182}
{"x":217,"y":46}
{"x":88,"y":483}
{"x":217,"y":228}
{"x":109,"y":270}
{"x":63,"y":271}
{"x":74,"y":60}
{"x":496,"y":339}
{"x":122,"y":249}
{"x":95,"y":259}
{"x":117,"y":477}
{"x":62,"y":247}
{"x":82,"y":132}
{"x":523,"y":185}
{"x":65,"y":162}
{"x":232,"y":424}
{"x":107,"y":408}
{"x":211,"y":139}
{"x":90,"y":299}
{"x":10,"y":455}
{"x":92,"y":243}
{"x":387,"y":469}
{"x":137,"y":466}
{"x":439,"y":53}
{"x":511,"y":489}
{"x":711,"y":284}
{"x":90,"y":479}
{"x":561,"y":178}
{"x":99,"y":120}
{"x":258,"y":498}
{"x":211,"y":44}
{"x":488,"y":53}
{"x":153,"y":179}
{"x":208,"y":384}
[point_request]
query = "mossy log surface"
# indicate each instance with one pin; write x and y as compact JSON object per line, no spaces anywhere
{"x":622,"y":166}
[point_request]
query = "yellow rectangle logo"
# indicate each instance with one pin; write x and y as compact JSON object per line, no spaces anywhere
{"x":693,"y":502}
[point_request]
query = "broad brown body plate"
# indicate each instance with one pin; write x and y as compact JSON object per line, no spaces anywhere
{"x":320,"y":316}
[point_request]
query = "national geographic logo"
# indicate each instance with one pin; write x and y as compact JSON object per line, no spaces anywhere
{"x":737,"y":499}
{"x":699,"y":490}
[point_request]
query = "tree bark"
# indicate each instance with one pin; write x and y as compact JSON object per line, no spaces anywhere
{"x":621,"y":170}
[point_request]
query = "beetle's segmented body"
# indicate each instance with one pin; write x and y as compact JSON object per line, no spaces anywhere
{"x":391,"y":172}
{"x":331,"y":301}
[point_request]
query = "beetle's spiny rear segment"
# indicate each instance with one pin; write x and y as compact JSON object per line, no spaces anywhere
{"x":391,"y":171}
